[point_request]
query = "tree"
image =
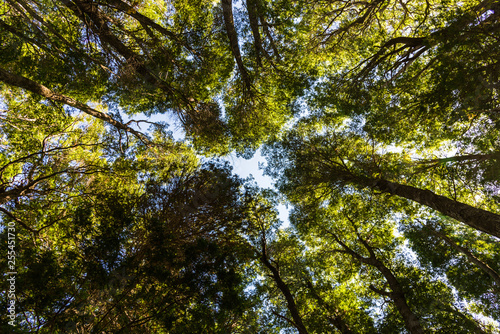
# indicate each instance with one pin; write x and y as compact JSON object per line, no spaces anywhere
{"x":461,"y":255}
{"x":167,"y":258}
{"x":372,"y":251}
{"x":419,"y":73}
{"x":139,"y":61}
{"x":264,"y":220}
{"x":381,"y":128}
{"x":338,"y":158}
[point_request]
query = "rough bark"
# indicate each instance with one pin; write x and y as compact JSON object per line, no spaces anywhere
{"x":34,"y":87}
{"x":476,"y":218}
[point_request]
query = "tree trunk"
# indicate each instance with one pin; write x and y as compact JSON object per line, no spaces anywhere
{"x":476,"y":218}
{"x":292,"y":307}
{"x":265,"y":27}
{"x":461,"y":158}
{"x":397,"y":295}
{"x":130,"y":10}
{"x":99,"y":24}
{"x":227,"y":10}
{"x":34,"y":87}
{"x":254,"y":25}
{"x":334,"y":318}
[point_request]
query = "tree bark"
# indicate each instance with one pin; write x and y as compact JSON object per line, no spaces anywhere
{"x":254,"y":25}
{"x":479,"y":219}
{"x":34,"y":87}
{"x":462,"y":158}
{"x":412,"y":323}
{"x":292,"y":307}
{"x":227,"y":10}
{"x":397,"y":295}
{"x":265,"y":27}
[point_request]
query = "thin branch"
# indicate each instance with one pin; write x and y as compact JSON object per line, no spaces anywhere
{"x":17,"y":220}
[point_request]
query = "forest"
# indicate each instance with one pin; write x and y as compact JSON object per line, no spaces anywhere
{"x":379,"y":121}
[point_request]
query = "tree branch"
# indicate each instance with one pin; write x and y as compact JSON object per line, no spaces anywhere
{"x":34,"y":87}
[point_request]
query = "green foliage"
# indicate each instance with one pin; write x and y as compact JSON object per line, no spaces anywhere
{"x":380,"y":124}
{"x":471,"y":282}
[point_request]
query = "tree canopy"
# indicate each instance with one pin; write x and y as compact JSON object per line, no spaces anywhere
{"x":380,"y":124}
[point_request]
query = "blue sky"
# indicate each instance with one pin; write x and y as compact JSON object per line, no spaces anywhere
{"x":242,"y":167}
{"x":245,"y":168}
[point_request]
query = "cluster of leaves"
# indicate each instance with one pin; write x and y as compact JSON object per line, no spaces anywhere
{"x":380,"y":122}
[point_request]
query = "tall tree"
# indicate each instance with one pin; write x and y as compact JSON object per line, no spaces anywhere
{"x":358,"y":234}
{"x":468,"y":261}
{"x":381,"y":123}
{"x":165,"y":257}
{"x":338,"y":158}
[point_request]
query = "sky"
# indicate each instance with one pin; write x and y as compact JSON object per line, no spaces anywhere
{"x":242,"y":167}
{"x":245,"y":168}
